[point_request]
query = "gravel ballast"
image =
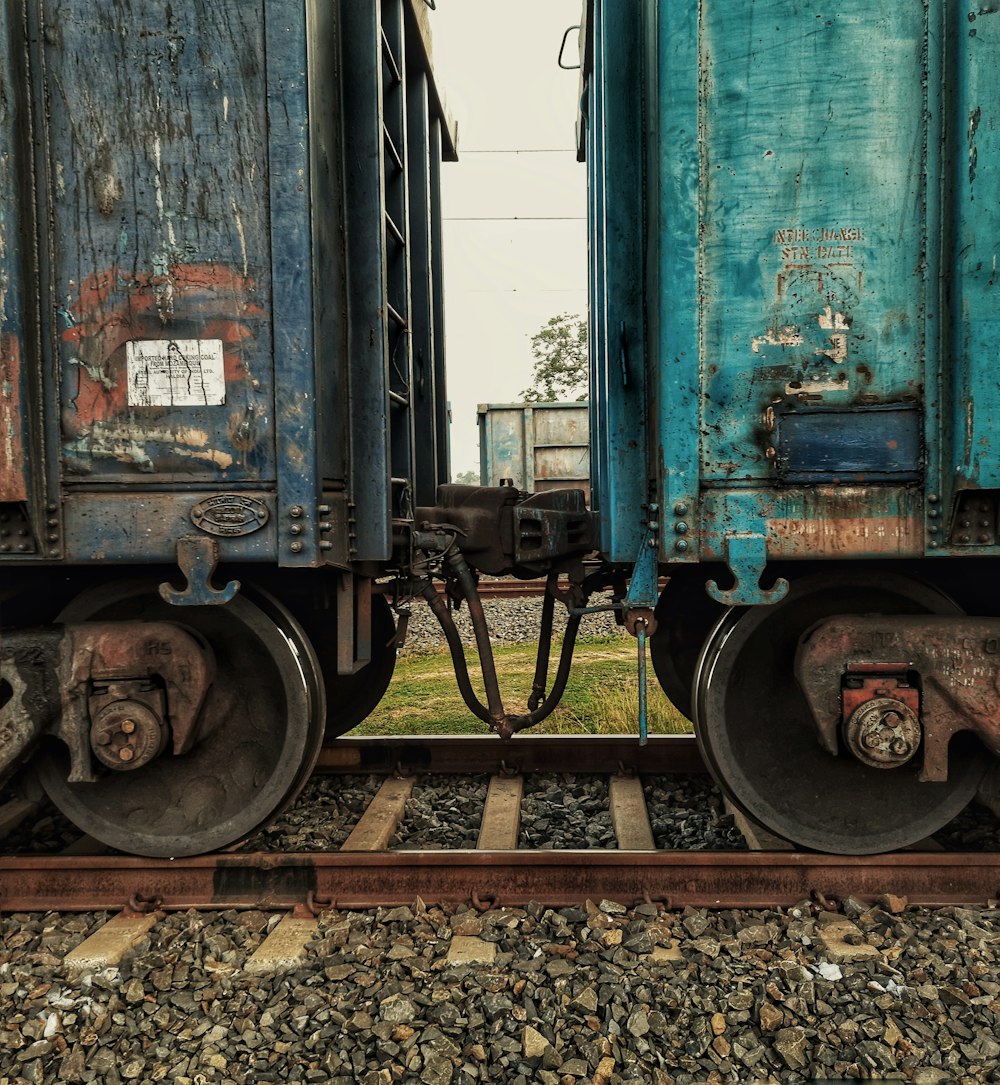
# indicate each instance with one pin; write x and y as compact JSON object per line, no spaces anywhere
{"x":511,"y":621}
{"x":595,"y":993}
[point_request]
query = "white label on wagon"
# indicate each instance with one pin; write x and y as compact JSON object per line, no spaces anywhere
{"x":176,"y":373}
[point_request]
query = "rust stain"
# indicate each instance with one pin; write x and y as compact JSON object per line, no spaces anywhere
{"x":13,"y":468}
{"x":113,"y":310}
{"x":840,"y":535}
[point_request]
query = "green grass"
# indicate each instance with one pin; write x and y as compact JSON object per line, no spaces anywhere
{"x":601,"y":697}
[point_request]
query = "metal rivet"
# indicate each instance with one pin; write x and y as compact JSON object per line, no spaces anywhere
{"x":296,"y":529}
{"x":325,"y":544}
{"x":681,"y":545}
{"x":934,"y":544}
{"x":296,"y":511}
{"x":53,"y":537}
{"x":933,"y":498}
{"x":323,"y":510}
{"x":681,"y":528}
{"x":770,"y":452}
{"x":680,"y":509}
{"x":984,"y":538}
{"x":51,"y":508}
{"x":933,"y":512}
{"x":297,"y":547}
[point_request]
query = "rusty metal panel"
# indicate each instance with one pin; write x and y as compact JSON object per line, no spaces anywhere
{"x":812,"y":227}
{"x":172,"y":243}
{"x":820,"y":268}
{"x":160,"y":239}
{"x":541,"y":446}
{"x":13,"y":465}
{"x":13,"y":421}
{"x":817,"y":521}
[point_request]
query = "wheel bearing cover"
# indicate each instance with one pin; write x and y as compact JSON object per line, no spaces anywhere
{"x":754,"y":730}
{"x":264,"y":718}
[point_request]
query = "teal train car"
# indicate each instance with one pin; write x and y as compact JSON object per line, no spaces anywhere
{"x":794,"y":224}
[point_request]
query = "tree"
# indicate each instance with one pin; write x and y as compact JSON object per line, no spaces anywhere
{"x":560,"y":368}
{"x":468,"y":478}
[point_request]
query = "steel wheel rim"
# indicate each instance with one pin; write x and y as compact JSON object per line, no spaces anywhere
{"x":685,"y":615}
{"x":267,"y":711}
{"x":775,"y":771}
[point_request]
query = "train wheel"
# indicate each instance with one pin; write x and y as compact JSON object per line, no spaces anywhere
{"x":262,"y":729}
{"x":756,"y":735}
{"x":351,"y":698}
{"x":685,"y":615}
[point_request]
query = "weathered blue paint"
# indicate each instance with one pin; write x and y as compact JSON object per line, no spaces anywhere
{"x":294,"y":285}
{"x":182,"y":227}
{"x":874,"y":445}
{"x":672,"y":81}
{"x":643,"y":586}
{"x":821,"y":231}
{"x":972,"y":257}
{"x":197,"y":558}
{"x":614,"y":142}
{"x":539,"y":446}
{"x":366,"y":244}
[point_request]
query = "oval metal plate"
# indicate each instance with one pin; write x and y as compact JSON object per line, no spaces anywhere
{"x":229,"y":514}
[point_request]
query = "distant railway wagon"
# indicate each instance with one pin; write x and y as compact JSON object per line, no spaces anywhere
{"x":223,"y":444}
{"x":537,"y":446}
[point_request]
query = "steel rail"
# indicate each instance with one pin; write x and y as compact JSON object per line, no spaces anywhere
{"x":512,"y":878}
{"x":662,"y":754}
{"x":506,"y":589}
{"x":492,"y":878}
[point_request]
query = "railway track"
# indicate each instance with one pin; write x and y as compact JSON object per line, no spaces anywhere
{"x":365,"y":872}
{"x":507,"y":589}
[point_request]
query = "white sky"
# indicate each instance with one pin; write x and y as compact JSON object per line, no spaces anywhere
{"x":515,"y":238}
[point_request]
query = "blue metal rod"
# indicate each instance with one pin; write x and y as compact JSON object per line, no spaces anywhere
{"x":643,"y":721}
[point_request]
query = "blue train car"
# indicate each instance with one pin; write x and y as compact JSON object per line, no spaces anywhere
{"x":794,"y":225}
{"x":221,"y":345}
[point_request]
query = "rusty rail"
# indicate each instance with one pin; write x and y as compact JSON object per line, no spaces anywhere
{"x":364,"y":880}
{"x":506,"y":589}
{"x":526,"y":753}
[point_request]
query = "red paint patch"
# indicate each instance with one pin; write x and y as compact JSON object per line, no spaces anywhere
{"x":13,"y":469}
{"x":193,"y":301}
